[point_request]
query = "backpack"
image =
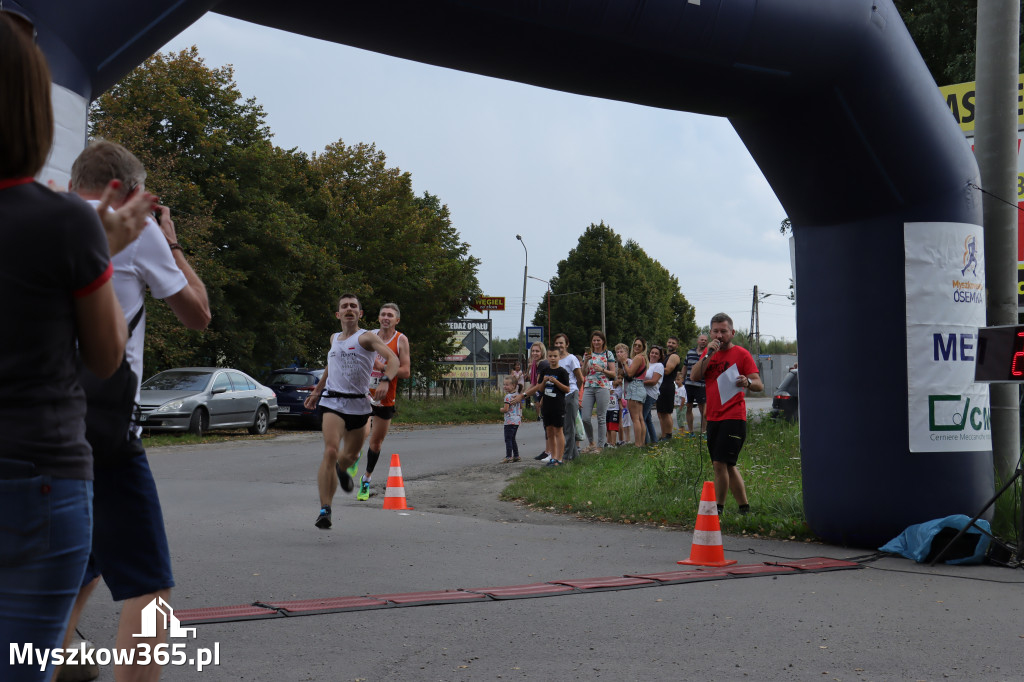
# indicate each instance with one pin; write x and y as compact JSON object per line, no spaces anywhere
{"x":111,"y":409}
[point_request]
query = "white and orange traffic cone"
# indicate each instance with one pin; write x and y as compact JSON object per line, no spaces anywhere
{"x":394,"y":495}
{"x":707,"y":547}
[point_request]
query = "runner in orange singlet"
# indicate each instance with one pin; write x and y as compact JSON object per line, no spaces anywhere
{"x":388,"y":318}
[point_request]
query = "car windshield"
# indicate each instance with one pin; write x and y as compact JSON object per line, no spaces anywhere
{"x":177,"y":381}
{"x":292,"y":379}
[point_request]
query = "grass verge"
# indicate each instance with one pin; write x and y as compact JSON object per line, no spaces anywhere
{"x":661,"y":485}
{"x":441,"y":411}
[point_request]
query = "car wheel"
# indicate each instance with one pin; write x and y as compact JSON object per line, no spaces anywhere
{"x":200,"y":422}
{"x":259,"y":427}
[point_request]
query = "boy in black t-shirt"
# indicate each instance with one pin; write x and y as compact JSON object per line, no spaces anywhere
{"x":554,"y":381}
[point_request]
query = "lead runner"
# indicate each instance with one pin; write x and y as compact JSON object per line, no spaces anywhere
{"x":343,"y":393}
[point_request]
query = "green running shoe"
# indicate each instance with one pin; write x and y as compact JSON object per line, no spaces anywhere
{"x":354,"y":469}
{"x":364,"y":491}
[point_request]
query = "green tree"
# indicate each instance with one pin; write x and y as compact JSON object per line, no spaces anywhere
{"x":275,"y":235}
{"x":391,"y":246}
{"x":945,"y":32}
{"x":641,"y":296}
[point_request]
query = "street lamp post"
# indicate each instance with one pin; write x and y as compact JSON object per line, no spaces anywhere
{"x":522,"y":315}
{"x":549,"y":303}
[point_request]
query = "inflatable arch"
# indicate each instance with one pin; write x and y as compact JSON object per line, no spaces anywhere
{"x":833,"y":102}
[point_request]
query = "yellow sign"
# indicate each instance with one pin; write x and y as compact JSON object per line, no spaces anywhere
{"x":960,"y":100}
{"x":463,"y":371}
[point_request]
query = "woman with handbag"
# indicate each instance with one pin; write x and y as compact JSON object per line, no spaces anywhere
{"x":634,"y":368}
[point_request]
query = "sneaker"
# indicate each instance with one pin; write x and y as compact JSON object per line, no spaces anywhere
{"x":744,"y":509}
{"x":517,"y":458}
{"x":353,"y":470}
{"x":364,"y":491}
{"x":323,"y":521}
{"x":543,"y":457}
{"x":554,"y":463}
{"x":345,"y":478}
{"x":547,"y":459}
{"x":507,"y":460}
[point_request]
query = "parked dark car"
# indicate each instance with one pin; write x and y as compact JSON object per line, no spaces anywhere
{"x":785,"y":401}
{"x":196,"y":399}
{"x":292,"y":385}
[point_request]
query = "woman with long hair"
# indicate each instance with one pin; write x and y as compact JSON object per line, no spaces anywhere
{"x":598,"y":372}
{"x":538,"y":355}
{"x":64,"y":312}
{"x":633,"y":369}
{"x":652,"y":386}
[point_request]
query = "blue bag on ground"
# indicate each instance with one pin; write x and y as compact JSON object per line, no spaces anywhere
{"x":922,"y":542}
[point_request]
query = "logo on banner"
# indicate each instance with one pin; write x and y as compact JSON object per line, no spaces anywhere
{"x":954,"y":413}
{"x":965,"y":291}
{"x":970,"y":256}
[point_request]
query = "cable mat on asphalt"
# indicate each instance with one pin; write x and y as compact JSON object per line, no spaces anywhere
{"x":553,"y":588}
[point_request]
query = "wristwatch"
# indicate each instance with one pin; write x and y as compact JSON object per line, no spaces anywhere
{"x":385,"y":378}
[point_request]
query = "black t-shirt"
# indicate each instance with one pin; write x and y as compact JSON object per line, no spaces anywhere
{"x":554,"y":397}
{"x":53,"y":249}
{"x":668,"y":380}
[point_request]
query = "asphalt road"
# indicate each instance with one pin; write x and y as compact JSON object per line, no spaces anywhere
{"x":240,"y":519}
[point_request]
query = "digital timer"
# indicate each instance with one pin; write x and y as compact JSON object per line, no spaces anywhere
{"x":1000,"y":358}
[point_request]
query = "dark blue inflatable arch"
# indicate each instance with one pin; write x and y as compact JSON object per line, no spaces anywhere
{"x":831,"y":98}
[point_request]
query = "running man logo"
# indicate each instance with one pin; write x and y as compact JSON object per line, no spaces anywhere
{"x":952,"y":413}
{"x":151,"y":615}
{"x":970,"y":256}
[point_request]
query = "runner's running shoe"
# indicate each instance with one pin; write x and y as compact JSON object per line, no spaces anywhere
{"x":364,"y":491}
{"x":347,"y":483}
{"x":323,"y":521}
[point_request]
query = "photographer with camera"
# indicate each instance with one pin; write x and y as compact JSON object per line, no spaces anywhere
{"x":129,"y":542}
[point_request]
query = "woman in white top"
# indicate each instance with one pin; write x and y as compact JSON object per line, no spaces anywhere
{"x":652,"y":382}
{"x":572,"y":399}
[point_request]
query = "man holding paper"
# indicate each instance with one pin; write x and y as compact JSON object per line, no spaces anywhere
{"x":726,"y":369}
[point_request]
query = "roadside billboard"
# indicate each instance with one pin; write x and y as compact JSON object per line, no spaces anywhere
{"x":471,"y":358}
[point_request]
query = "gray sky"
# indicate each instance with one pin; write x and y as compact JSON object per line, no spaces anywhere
{"x":509,"y":158}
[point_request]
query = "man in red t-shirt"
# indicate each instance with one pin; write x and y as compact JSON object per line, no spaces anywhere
{"x":727,"y":423}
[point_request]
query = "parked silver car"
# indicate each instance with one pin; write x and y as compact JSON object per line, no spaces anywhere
{"x":196,"y":399}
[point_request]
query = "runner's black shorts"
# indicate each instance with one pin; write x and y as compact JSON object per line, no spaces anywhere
{"x":725,"y":440}
{"x":384,"y":411}
{"x":353,"y":422}
{"x":695,"y":395}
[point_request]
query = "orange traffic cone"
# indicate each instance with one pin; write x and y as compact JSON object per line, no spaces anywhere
{"x":394,"y":496}
{"x":707,"y":547}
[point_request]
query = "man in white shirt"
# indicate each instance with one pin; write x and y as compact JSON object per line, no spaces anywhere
{"x":129,"y":542}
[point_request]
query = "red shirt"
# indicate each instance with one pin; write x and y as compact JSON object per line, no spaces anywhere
{"x":721,"y":361}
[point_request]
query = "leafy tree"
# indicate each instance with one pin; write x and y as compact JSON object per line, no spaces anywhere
{"x":392,"y":246}
{"x":641,"y":296}
{"x":275,"y":235}
{"x":945,"y":32}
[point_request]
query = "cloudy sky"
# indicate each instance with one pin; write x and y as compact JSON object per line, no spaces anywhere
{"x":513,"y":159}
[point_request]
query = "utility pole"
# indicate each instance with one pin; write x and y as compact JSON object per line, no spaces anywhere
{"x":522,"y":315}
{"x":995,"y":145}
{"x":755,"y":330}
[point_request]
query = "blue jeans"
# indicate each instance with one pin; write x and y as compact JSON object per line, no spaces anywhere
{"x":649,"y":420}
{"x":45,"y":538}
